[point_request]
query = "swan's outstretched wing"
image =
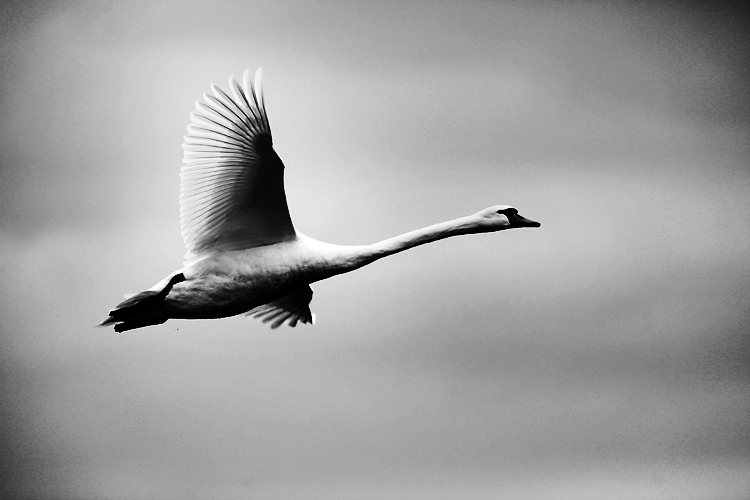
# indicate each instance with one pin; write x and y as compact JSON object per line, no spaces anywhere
{"x":292,"y":308}
{"x":232,"y":181}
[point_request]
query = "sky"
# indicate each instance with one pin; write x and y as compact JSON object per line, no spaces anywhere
{"x":605,"y":355}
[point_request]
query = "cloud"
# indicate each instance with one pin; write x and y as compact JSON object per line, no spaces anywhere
{"x":600,"y":356}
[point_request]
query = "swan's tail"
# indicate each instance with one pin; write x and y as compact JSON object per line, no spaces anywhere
{"x":141,"y":309}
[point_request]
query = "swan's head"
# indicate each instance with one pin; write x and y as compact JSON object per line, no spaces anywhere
{"x":501,"y":217}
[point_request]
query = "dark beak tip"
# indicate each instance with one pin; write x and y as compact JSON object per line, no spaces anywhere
{"x":524,"y":222}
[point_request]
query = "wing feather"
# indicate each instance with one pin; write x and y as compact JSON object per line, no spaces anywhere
{"x":292,"y":308}
{"x":232,"y":181}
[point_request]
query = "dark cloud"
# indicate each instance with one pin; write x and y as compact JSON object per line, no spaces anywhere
{"x":602,"y":356}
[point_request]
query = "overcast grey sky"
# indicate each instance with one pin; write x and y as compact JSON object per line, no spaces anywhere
{"x":603,"y":356}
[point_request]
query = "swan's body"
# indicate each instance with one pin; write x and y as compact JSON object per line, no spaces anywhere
{"x":244,"y":255}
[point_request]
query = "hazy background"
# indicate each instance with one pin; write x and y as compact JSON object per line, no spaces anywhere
{"x":603,"y":356}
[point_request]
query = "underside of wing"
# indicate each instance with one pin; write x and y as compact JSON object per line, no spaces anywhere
{"x":232,"y":181}
{"x":290,"y":309}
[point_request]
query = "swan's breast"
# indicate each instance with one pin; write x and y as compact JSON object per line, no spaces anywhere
{"x":233,"y":282}
{"x":230,"y":283}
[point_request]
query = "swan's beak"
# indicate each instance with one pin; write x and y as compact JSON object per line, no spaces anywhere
{"x":521,"y":221}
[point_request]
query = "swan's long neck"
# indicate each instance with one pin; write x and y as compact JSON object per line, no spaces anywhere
{"x":325,"y":260}
{"x":421,"y":236}
{"x":366,"y":254}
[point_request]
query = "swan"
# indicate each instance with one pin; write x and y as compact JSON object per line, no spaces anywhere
{"x":244,"y":255}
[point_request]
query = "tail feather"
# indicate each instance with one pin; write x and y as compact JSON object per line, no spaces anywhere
{"x":141,"y":309}
{"x":108,"y":321}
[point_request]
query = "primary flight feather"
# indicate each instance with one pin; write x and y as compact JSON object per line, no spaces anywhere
{"x":243,"y":253}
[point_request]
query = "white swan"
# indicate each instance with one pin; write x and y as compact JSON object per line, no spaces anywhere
{"x":244,"y":255}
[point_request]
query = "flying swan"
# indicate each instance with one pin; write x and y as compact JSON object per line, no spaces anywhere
{"x":243,"y":253}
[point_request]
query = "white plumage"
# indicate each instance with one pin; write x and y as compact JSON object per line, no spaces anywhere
{"x":243,"y":253}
